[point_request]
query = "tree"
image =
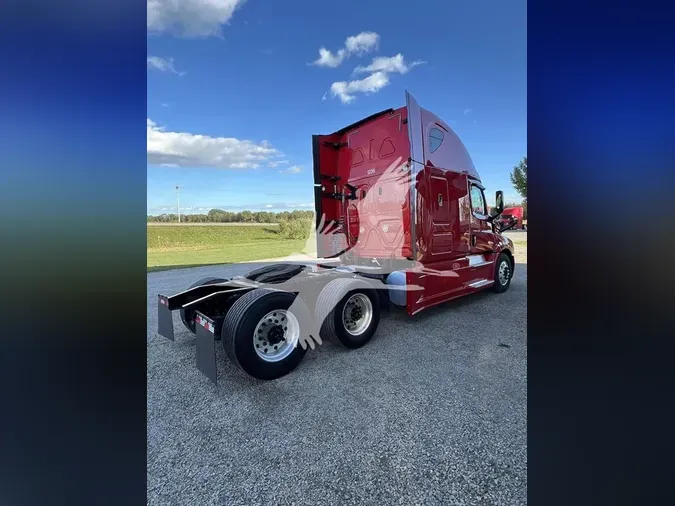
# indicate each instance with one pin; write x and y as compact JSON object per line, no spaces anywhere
{"x":519,"y":178}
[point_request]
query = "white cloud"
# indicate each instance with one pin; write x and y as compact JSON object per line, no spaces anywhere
{"x":379,"y":70}
{"x":360,"y":44}
{"x":276,"y":163}
{"x":325,"y":96}
{"x":295,"y":169}
{"x":371,"y":84}
{"x":328,"y":59}
{"x":389,"y":64}
{"x":467,"y":111}
{"x":189,"y":150}
{"x":190,"y":18}
{"x":163,"y":65}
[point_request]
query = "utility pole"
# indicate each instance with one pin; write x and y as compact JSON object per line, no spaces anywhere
{"x":178,"y":201}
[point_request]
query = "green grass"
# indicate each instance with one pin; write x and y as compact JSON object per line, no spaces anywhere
{"x":181,"y":246}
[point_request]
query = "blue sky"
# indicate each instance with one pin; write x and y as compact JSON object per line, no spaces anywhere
{"x":235,"y":90}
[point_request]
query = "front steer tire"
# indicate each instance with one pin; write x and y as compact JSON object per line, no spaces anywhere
{"x":241,"y":322}
{"x":505,"y":267}
{"x":329,"y":311}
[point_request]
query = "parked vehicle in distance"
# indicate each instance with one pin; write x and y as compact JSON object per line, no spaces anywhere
{"x":402,"y":221}
{"x":512,"y":217}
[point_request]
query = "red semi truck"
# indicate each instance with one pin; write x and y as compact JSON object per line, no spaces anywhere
{"x":402,"y":220}
{"x":511,"y":217}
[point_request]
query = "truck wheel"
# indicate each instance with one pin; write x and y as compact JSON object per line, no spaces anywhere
{"x":187,"y":315}
{"x":261,"y":332}
{"x":348,"y":311}
{"x":503,"y":273}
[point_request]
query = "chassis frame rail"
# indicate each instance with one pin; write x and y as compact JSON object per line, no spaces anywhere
{"x":192,"y":298}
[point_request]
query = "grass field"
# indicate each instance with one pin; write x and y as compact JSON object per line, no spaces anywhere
{"x":172,"y":246}
{"x":520,"y":244}
{"x":198,"y":224}
{"x":186,"y":245}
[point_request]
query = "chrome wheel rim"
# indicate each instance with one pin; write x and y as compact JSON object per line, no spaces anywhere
{"x":357,"y":314}
{"x":504,"y":272}
{"x":276,"y":335}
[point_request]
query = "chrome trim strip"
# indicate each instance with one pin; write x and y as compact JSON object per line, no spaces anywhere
{"x":481,"y":264}
{"x":480,"y":283}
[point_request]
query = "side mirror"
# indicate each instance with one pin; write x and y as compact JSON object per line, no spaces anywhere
{"x":499,"y":205}
{"x":499,"y":202}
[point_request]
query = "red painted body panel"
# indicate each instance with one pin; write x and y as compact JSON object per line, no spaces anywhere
{"x":457,"y":249}
{"x":454,"y":244}
{"x":373,"y":159}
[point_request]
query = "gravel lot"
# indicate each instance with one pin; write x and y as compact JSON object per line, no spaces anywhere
{"x":431,"y":411}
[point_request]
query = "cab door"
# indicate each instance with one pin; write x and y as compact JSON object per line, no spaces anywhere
{"x":481,"y":256}
{"x":480,"y":228}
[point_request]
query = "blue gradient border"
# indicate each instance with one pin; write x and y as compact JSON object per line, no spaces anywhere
{"x":72,"y":117}
{"x":600,"y":118}
{"x":73,"y":205}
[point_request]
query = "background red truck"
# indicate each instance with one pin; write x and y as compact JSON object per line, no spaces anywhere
{"x":512,"y":217}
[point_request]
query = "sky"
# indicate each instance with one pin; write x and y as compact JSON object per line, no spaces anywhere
{"x":236,"y":88}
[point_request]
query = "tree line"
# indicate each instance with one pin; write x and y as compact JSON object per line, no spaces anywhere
{"x":220,"y":216}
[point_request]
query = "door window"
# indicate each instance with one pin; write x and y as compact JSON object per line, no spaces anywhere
{"x":477,"y":200}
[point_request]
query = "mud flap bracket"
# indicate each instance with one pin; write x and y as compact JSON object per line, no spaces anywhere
{"x":205,"y":331}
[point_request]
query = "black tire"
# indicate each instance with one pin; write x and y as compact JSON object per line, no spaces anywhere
{"x":499,"y":286}
{"x":239,"y":328}
{"x":330,"y":305}
{"x":187,"y":315}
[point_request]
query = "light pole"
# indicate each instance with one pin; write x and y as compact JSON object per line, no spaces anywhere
{"x":178,"y":201}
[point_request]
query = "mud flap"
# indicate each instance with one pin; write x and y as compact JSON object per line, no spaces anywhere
{"x":164,"y":318}
{"x":206,"y":330}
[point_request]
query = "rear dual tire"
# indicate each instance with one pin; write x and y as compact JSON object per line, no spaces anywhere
{"x":262,"y":330}
{"x":259,"y":321}
{"x":348,"y":311}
